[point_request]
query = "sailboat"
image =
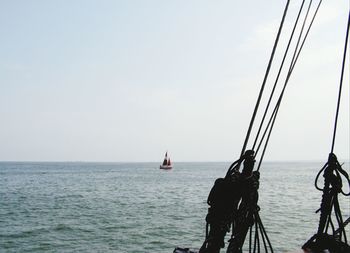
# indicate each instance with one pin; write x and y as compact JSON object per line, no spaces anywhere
{"x":166,"y":165}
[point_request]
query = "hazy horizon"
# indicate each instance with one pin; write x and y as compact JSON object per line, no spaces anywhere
{"x":177,"y":162}
{"x":128,"y":80}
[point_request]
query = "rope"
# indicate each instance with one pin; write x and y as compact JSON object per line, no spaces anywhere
{"x":289,"y":72}
{"x":265,"y":79}
{"x":341,"y":83}
{"x":339,"y":218}
{"x":340,"y":229}
{"x":338,"y":172}
{"x":337,"y":240}
{"x":293,"y":62}
{"x":278,"y":75}
{"x":291,"y":68}
{"x":233,"y":199}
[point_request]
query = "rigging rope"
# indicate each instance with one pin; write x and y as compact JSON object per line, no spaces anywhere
{"x":293,"y":63}
{"x":278,"y":75}
{"x":265,"y":79}
{"x":274,"y":113}
{"x":341,"y":83}
{"x":332,"y":173}
{"x":332,"y":187}
{"x":233,"y":200}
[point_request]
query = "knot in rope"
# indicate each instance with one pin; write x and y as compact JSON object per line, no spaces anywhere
{"x":333,"y":175}
{"x":336,"y":242}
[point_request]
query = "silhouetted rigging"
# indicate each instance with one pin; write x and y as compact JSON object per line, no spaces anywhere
{"x":233,"y":200}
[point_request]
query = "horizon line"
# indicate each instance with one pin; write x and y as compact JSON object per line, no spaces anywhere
{"x":81,"y":161}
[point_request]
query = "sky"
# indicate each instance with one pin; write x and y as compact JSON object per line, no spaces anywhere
{"x":127,"y":80}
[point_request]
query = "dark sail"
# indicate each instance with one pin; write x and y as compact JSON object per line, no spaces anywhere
{"x":165,"y":161}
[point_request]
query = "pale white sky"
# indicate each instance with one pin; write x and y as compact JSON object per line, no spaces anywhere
{"x":127,"y":80}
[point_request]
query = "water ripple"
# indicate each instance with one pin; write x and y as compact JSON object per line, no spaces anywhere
{"x":137,"y":208}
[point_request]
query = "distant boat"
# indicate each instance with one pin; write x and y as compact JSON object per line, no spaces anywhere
{"x":166,"y":165}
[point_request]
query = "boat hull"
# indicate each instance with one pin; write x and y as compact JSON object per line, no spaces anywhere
{"x":165,"y":167}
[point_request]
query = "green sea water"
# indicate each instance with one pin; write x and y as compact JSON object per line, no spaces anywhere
{"x":136,"y":207}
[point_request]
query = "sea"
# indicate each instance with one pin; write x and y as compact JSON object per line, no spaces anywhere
{"x":138,"y":208}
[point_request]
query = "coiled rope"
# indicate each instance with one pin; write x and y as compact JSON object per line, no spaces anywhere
{"x":333,"y":173}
